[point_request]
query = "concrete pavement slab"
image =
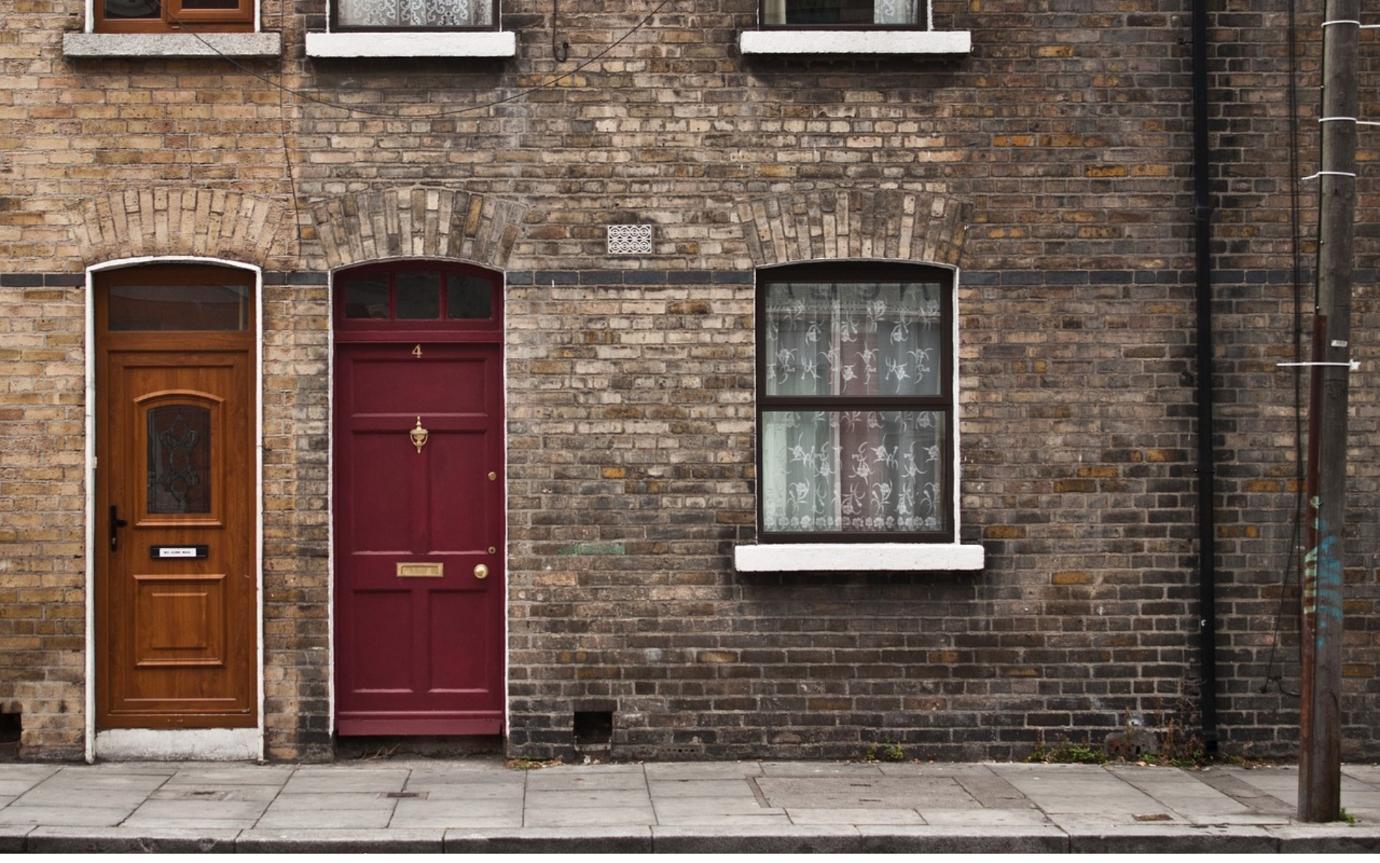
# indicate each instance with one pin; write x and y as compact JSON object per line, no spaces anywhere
{"x":220,"y":775}
{"x":582,"y":799}
{"x":992,"y":792}
{"x":78,"y":813}
{"x":701,"y":770}
{"x":581,"y":779}
{"x":462,"y":810}
{"x":711,"y":806}
{"x":212,"y":791}
{"x":198,"y":813}
{"x":296,"y":820}
{"x":59,"y":796}
{"x":22,"y":778}
{"x":811,"y":768}
{"x":1249,"y":819}
{"x":672,"y":788}
{"x":1238,"y":789}
{"x":984,"y":818}
{"x":810,"y":817}
{"x":689,"y":817}
{"x":932,"y":768}
{"x":344,"y":801}
{"x":636,"y":816}
{"x":487,"y":792}
{"x":430,"y":776}
{"x":325,"y":780}
{"x":864,"y":791}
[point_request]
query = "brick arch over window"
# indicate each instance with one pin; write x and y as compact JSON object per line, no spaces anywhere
{"x":416,"y":222}
{"x":892,"y":225}
{"x":209,"y":223}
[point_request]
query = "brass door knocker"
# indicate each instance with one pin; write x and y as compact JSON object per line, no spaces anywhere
{"x":419,"y":436}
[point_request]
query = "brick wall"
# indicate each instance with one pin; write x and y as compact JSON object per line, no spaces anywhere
{"x":1052,"y":166}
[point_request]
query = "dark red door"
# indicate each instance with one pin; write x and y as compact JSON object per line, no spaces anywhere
{"x":419,"y":531}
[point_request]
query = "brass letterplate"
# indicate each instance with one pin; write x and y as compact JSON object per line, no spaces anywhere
{"x":421,"y":570}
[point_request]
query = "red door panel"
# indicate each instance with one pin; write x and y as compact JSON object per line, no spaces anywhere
{"x":419,"y":526}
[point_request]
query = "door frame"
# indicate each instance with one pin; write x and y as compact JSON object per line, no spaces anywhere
{"x":502,"y":343}
{"x":214,"y":744}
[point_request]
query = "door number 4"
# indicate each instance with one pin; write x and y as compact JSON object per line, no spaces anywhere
{"x":417,"y":352}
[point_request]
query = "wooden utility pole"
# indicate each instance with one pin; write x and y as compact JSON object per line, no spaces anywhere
{"x":1320,"y":708}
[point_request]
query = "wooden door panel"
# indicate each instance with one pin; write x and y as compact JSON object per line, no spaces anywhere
{"x":459,"y":457}
{"x":437,"y":382}
{"x":176,"y":635}
{"x":419,"y":634}
{"x":461,"y":660}
{"x":179,"y":620}
{"x":381,"y":521}
{"x":380,"y":617}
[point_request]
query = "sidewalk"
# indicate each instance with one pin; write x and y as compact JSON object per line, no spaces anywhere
{"x":479,"y":805}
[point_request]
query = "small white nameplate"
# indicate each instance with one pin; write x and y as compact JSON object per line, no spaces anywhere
{"x":165,"y":551}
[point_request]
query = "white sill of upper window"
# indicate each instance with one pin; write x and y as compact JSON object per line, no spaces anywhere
{"x":859,"y":557}
{"x":172,"y":44}
{"x":488,"y":43}
{"x":915,"y":42}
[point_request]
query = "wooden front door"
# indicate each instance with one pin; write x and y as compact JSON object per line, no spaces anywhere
{"x":419,"y":526}
{"x":176,"y":582}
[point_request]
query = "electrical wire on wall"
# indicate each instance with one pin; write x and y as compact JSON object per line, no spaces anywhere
{"x":454,"y":112}
{"x":283,"y":91}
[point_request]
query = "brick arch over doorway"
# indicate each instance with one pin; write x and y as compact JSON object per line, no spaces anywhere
{"x":159,"y":222}
{"x":416,"y":222}
{"x":886,"y":224}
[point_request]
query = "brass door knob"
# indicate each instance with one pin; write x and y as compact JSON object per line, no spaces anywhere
{"x":481,"y":571}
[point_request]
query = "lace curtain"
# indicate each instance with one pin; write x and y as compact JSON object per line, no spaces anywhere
{"x":883,"y":11}
{"x":851,"y":469}
{"x":895,"y":12}
{"x":414,"y":13}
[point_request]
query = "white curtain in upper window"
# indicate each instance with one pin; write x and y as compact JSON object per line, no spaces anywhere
{"x":895,"y":11}
{"x":414,"y":13}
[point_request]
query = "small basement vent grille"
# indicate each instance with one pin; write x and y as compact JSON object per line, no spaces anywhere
{"x":630,"y":239}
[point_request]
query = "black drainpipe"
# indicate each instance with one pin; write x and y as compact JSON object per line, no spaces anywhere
{"x":1202,"y":220}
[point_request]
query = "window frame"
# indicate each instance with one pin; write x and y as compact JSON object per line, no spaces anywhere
{"x":392,"y":326}
{"x":173,"y":18}
{"x":893,"y":272}
{"x":334,"y":25}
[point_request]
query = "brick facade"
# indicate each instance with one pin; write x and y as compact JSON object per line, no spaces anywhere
{"x":1052,"y":167}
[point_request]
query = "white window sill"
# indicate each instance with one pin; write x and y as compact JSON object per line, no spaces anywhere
{"x":859,"y":557}
{"x":172,"y":44}
{"x":429,"y":44}
{"x":855,"y":42}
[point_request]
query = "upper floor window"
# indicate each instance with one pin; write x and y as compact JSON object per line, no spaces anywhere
{"x":855,"y":403}
{"x":173,"y":16}
{"x":843,"y":13}
{"x":414,"y":14}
